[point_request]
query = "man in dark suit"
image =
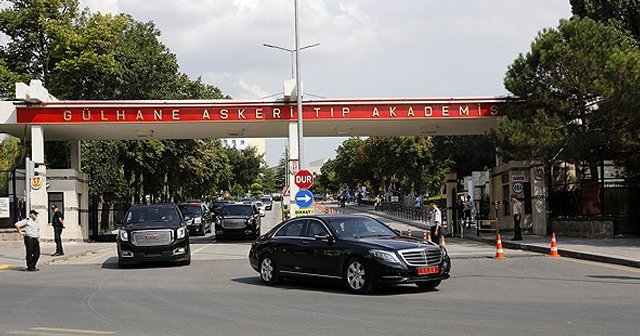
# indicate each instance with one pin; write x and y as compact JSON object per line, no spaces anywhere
{"x":58,"y":224}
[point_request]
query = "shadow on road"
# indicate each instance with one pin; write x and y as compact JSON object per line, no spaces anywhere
{"x":112,"y":264}
{"x":321,"y":285}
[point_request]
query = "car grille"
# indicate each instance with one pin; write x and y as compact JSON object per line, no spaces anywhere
{"x":152,"y":237}
{"x":233,"y":223}
{"x":421,"y":257}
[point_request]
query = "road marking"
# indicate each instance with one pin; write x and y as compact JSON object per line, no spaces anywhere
{"x":200,"y":249}
{"x":7,"y":267}
{"x":74,"y":331}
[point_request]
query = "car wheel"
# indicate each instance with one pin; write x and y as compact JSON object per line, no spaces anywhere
{"x":269,"y":271}
{"x":428,"y":285}
{"x":357,"y":277}
{"x":186,"y":262}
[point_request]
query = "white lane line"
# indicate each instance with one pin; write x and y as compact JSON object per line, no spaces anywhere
{"x":199,"y":249}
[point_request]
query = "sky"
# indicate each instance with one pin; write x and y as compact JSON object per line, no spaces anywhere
{"x":367,"y":48}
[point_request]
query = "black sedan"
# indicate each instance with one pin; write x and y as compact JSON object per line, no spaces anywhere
{"x":358,"y":250}
{"x":153,"y":233}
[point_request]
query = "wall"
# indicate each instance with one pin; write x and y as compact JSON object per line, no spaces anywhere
{"x":71,"y":183}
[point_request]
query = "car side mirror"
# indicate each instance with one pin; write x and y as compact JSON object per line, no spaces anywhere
{"x":323,"y":237}
{"x":397,"y":231}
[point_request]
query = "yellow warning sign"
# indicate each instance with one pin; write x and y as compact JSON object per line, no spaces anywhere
{"x":305,"y":212}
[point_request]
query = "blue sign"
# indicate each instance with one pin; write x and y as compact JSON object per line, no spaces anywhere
{"x":304,"y":198}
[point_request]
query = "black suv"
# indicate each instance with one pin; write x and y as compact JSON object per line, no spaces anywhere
{"x":153,"y":233}
{"x":198,"y":217}
{"x":239,"y":220}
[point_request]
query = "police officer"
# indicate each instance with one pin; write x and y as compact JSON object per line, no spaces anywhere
{"x":31,"y":232}
{"x":57,"y":221}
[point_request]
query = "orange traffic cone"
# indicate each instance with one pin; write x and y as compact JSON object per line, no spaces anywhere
{"x":499,"y":250}
{"x":554,"y":246}
{"x":426,"y":235}
{"x":409,"y":232}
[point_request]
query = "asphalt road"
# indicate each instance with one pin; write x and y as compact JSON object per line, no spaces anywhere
{"x":220,"y":294}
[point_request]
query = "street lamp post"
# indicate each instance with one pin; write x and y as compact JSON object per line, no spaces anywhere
{"x":293,"y":53}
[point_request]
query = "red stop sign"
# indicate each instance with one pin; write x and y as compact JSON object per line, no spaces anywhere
{"x":303,"y":179}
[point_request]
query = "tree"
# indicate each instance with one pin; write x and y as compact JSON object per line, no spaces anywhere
{"x":624,"y":14}
{"x":38,"y":32}
{"x":389,"y":163}
{"x":464,"y":154}
{"x":7,"y":81}
{"x":565,"y":108}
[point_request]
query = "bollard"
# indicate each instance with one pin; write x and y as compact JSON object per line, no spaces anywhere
{"x":409,"y":232}
{"x":426,"y":235}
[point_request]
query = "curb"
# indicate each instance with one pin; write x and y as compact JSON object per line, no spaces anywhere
{"x":562,"y":252}
{"x":78,"y":255}
{"x":524,"y":247}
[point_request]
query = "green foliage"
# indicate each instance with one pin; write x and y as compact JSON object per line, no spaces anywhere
{"x":38,"y":32}
{"x":464,"y":154}
{"x":624,"y":14}
{"x":384,"y":163}
{"x":570,"y":88}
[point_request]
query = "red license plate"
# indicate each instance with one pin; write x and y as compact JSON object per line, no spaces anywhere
{"x":428,"y":270}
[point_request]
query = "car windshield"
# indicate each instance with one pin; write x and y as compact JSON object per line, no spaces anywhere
{"x":359,"y":227}
{"x":220,"y":204}
{"x":151,"y":214}
{"x":237,"y":210}
{"x":266,"y":200}
{"x":191,"y":210}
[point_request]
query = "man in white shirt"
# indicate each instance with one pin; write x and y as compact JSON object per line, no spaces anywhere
{"x":517,"y":217}
{"x":30,"y":230}
{"x":435,"y":224}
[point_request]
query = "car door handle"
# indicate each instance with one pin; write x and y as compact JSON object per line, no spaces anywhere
{"x":305,"y":243}
{"x":284,"y":250}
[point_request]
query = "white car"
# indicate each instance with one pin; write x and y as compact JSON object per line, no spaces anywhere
{"x":261,"y":207}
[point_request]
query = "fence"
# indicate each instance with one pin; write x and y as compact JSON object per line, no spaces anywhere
{"x":11,"y":204}
{"x":574,"y":195}
{"x":104,"y":219}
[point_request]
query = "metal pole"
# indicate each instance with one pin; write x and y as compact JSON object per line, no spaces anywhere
{"x":27,"y":186}
{"x":293,"y":64}
{"x":298,"y":89}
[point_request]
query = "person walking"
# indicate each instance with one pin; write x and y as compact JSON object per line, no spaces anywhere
{"x":435,"y":224}
{"x":31,"y":232}
{"x":468,"y":209}
{"x":57,"y":221}
{"x":517,"y":217}
{"x":417,"y":205}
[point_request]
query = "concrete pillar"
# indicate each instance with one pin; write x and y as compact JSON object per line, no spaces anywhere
{"x":39,"y":199}
{"x":452,"y":182}
{"x":76,"y":156}
{"x":294,"y":165}
{"x":538,"y":199}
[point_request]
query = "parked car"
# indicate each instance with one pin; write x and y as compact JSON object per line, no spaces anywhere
{"x":198,"y":217}
{"x":238,"y":220}
{"x":360,"y":251}
{"x":268,"y":202}
{"x":153,"y":233}
{"x":217,"y":206}
{"x":261,"y":209}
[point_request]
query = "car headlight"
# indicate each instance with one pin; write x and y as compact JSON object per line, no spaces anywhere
{"x":182,"y":232}
{"x":385,"y":255}
{"x":124,"y":236}
{"x":443,"y":252}
{"x":197,"y":220}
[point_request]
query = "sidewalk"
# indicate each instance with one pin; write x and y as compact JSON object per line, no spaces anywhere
{"x":620,"y":251}
{"x":12,"y":253}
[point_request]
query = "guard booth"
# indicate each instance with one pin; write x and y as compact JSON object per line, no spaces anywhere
{"x":12,"y":202}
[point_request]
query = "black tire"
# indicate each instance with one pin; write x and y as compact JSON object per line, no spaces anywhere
{"x":428,"y":285}
{"x":186,"y":262}
{"x":122,"y":264}
{"x":357,"y":277}
{"x":269,"y":271}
